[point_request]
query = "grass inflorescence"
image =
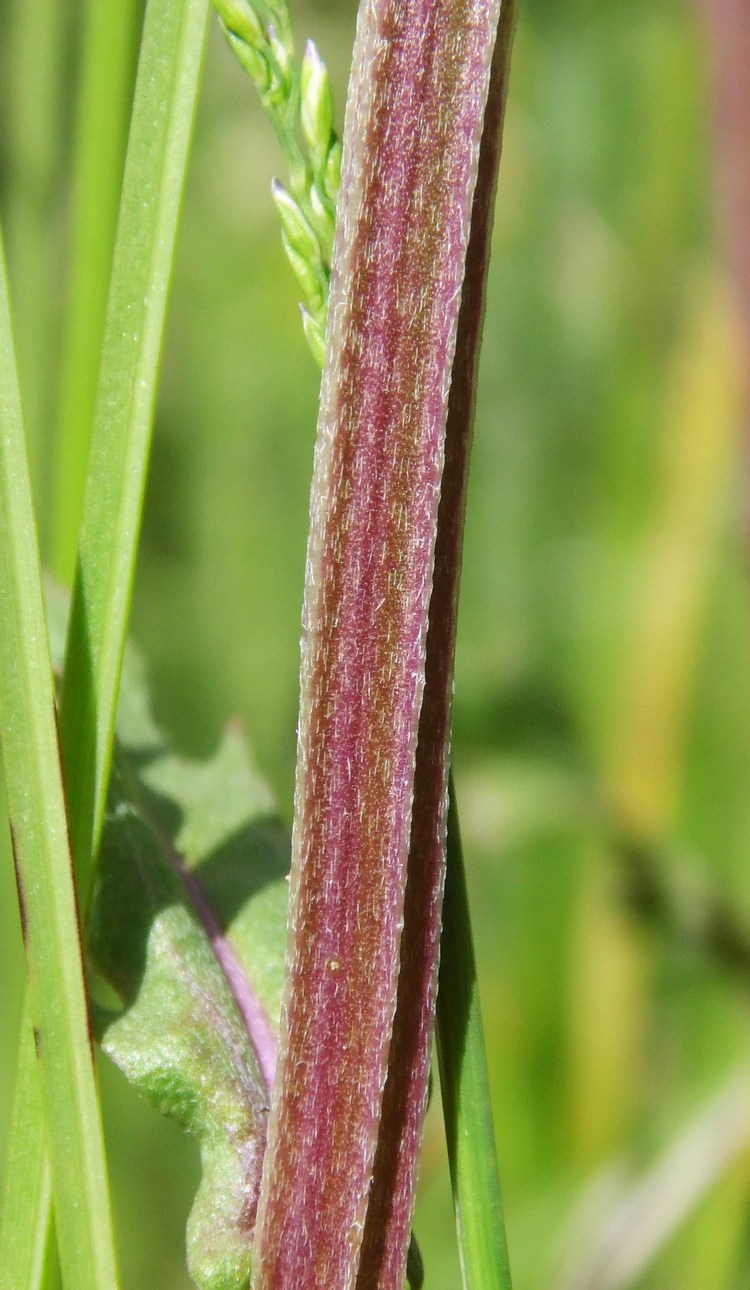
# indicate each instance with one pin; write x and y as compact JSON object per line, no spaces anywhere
{"x":297,"y":96}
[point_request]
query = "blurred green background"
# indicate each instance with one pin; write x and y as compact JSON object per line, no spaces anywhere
{"x":603,"y":688}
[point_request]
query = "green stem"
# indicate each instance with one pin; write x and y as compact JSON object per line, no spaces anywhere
{"x":43,"y":862}
{"x":465,"y":1091}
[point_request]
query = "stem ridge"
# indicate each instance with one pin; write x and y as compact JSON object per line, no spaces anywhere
{"x":411,"y":145}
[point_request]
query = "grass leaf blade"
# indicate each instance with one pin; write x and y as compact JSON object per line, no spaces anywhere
{"x":169,"y":65}
{"x":161,"y":126}
{"x":104,"y":100}
{"x":42,"y":853}
{"x":465,"y":1091}
{"x":26,"y":1214}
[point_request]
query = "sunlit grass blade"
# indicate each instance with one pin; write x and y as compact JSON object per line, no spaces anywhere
{"x":43,"y":862}
{"x":104,"y":99}
{"x":26,"y":1238}
{"x":161,"y":125}
{"x":160,"y":130}
{"x":32,"y":74}
{"x":464,"y":1088}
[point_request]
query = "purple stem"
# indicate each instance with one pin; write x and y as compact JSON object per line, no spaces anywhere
{"x":391,"y":1206}
{"x":414,"y":121}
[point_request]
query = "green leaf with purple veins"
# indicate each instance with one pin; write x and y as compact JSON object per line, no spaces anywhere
{"x":187,"y":925}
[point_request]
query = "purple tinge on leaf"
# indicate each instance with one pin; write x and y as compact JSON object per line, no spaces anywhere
{"x":411,"y":145}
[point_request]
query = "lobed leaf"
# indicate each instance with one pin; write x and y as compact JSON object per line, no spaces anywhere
{"x":187,"y":925}
{"x":43,"y":864}
{"x":163,"y":1043}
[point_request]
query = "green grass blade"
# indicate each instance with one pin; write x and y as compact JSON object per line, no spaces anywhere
{"x":152,"y":187}
{"x":37,"y":813}
{"x":161,"y":124}
{"x":106,"y":90}
{"x":25,"y":1217}
{"x":465,"y":1088}
{"x":33,"y":59}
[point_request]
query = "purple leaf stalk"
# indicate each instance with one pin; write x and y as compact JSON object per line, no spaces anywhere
{"x":340,"y":1167}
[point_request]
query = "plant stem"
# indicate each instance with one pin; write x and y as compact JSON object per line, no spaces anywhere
{"x":43,"y":866}
{"x":414,"y":123}
{"x":392,"y":1198}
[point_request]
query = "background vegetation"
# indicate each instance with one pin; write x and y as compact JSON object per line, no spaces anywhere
{"x":603,"y":688}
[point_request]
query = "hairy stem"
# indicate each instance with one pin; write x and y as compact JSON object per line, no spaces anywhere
{"x":411,"y":147}
{"x":392,"y":1199}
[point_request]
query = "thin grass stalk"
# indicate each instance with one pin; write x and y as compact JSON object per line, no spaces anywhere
{"x":44,"y":869}
{"x":414,"y":122}
{"x":103,"y":109}
{"x":464,"y":1088}
{"x":392,"y":1198}
{"x":161,"y":125}
{"x":33,"y":65}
